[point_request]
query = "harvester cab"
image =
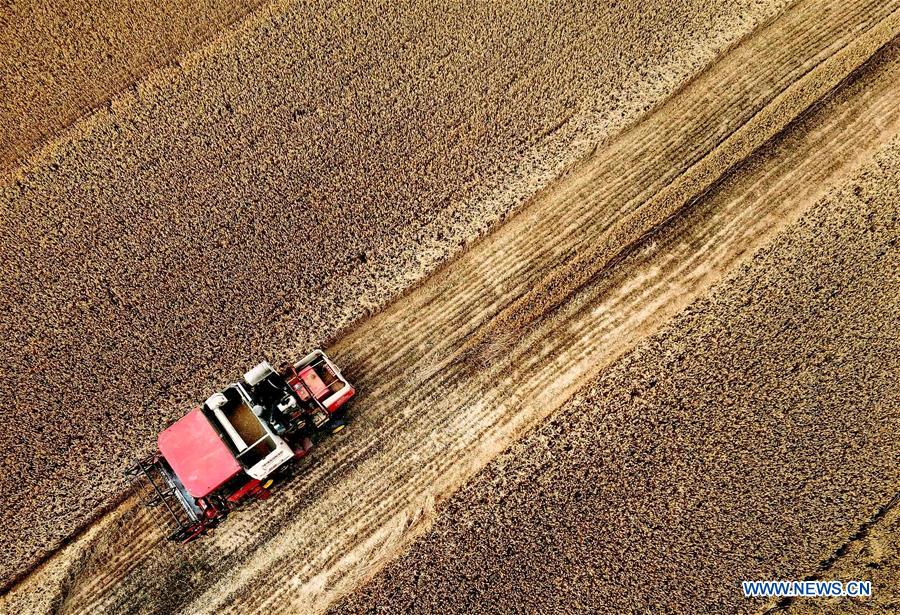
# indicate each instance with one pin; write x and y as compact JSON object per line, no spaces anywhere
{"x":240,"y":440}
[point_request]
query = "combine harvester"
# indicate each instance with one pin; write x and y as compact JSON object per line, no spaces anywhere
{"x":240,"y":441}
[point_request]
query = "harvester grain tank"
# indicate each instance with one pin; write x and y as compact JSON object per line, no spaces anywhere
{"x":241,"y":441}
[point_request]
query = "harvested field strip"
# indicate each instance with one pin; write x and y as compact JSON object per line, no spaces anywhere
{"x":278,"y":185}
{"x":646,"y":215}
{"x":426,"y":421}
{"x":741,"y":442}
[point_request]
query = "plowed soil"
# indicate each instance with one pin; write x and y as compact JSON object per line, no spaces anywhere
{"x":272,"y":188}
{"x":648,"y":216}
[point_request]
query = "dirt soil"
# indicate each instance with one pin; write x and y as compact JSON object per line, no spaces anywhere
{"x":265,"y":191}
{"x":755,"y":437}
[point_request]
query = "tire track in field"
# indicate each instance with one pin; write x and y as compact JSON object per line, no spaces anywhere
{"x":426,"y":422}
{"x":114,"y":235}
{"x":630,"y":229}
{"x":653,"y":299}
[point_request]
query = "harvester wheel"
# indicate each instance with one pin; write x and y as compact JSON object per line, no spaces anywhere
{"x":338,"y":422}
{"x":285,"y":472}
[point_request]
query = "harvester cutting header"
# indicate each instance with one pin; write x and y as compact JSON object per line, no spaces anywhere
{"x":241,"y":440}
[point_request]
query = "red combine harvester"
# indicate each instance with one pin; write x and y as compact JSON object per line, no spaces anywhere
{"x":241,"y":440}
